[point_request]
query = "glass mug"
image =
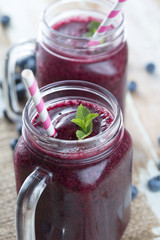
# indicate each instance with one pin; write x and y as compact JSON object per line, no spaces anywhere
{"x":62,"y":57}
{"x":73,"y":189}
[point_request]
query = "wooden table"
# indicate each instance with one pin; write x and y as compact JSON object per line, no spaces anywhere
{"x":142,"y":111}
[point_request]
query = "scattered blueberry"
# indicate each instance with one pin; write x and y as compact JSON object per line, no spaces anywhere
{"x":134,"y":192}
{"x":20,"y":63}
{"x":20,"y":89}
{"x":26,"y":62}
{"x":154,"y":184}
{"x":31,"y":63}
{"x":5,"y":20}
{"x":19,"y":128}
{"x":132,"y":86}
{"x":150,"y":67}
{"x":13,"y":143}
{"x":17,"y":78}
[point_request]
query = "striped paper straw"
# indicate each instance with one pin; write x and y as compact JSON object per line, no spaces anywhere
{"x":38,"y":101}
{"x":106,"y":23}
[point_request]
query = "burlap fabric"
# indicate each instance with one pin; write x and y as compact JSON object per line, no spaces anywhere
{"x":142,"y":219}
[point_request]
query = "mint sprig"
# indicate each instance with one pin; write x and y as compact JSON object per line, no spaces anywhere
{"x":84,"y":121}
{"x":93,"y":26}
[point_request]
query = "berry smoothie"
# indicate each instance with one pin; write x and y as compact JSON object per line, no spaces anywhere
{"x":89,"y":197}
{"x":65,"y":57}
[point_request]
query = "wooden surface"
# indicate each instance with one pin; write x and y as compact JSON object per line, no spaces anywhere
{"x":142,"y":111}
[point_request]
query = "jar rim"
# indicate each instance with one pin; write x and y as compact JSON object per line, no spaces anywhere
{"x":57,"y":33}
{"x":100,"y":139}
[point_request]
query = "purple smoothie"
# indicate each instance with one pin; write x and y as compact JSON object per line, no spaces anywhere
{"x":88,"y":200}
{"x":106,"y":67}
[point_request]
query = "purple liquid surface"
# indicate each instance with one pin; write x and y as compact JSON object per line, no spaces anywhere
{"x":62,"y":114}
{"x":85,"y":201}
{"x":107,"y":69}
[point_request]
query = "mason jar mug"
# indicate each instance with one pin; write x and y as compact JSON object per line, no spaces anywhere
{"x":62,"y":51}
{"x":69,"y":188}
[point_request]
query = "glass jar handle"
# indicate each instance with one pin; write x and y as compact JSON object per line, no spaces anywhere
{"x":27,"y":200}
{"x":16,"y":52}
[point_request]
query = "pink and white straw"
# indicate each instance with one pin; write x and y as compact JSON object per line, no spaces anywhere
{"x":106,"y":23}
{"x":38,"y":101}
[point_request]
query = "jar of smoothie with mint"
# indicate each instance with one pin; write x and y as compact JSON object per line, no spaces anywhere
{"x":74,"y":186}
{"x":62,"y":51}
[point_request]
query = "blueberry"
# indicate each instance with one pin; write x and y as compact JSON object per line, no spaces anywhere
{"x":159,"y":140}
{"x":20,"y":89}
{"x":31,"y":64}
{"x":5,"y":20}
{"x":132,"y":86}
{"x":150,"y":67}
{"x":13,"y":143}
{"x":19,"y":128}
{"x":26,"y":62}
{"x":20,"y":63}
{"x":134,"y":192}
{"x":154,"y":184}
{"x":1,"y":85}
{"x":17,"y":78}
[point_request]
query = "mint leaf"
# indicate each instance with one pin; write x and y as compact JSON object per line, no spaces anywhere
{"x":93,"y":26}
{"x":82,"y":112}
{"x":92,"y":29}
{"x":89,"y":128}
{"x":77,"y":121}
{"x":102,"y":41}
{"x":89,"y":34}
{"x":80,"y":134}
{"x":84,"y":121}
{"x":89,"y":118}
